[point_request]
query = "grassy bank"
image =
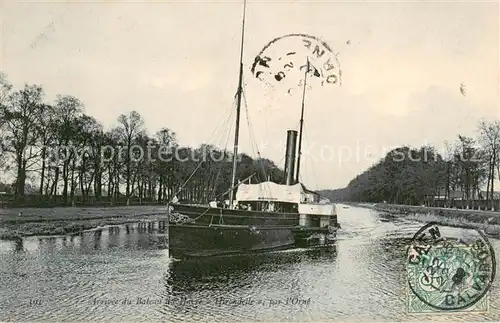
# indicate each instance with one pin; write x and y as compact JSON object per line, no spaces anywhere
{"x":60,"y":221}
{"x":477,"y":219}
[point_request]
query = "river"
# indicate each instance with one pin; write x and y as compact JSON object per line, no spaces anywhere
{"x":128,"y":275}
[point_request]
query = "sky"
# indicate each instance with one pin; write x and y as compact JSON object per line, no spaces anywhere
{"x":177,"y":64}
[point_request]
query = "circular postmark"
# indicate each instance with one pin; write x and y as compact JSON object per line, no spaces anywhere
{"x":450,"y":273}
{"x":285,"y":62}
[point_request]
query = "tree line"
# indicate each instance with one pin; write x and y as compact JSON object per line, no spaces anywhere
{"x":409,"y":176}
{"x":60,"y":154}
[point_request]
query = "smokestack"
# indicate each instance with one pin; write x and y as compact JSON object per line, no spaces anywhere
{"x":291,"y":143}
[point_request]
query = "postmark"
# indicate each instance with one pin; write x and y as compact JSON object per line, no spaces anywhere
{"x":449,"y":273}
{"x":284,"y":63}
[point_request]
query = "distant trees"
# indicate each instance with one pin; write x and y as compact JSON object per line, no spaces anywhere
{"x":407,"y":175}
{"x":404,"y":176}
{"x":65,"y":154}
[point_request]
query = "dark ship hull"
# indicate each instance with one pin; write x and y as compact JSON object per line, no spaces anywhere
{"x":199,"y":230}
{"x":215,"y":231}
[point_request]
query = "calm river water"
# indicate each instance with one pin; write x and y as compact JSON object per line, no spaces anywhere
{"x":128,"y":275}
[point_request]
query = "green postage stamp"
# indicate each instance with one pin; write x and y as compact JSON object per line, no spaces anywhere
{"x":449,"y":274}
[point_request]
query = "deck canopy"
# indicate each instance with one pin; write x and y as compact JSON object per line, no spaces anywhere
{"x":270,"y":191}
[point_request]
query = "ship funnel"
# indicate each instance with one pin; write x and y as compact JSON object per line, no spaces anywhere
{"x":291,"y":143}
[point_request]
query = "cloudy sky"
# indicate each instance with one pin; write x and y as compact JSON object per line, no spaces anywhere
{"x":176,"y":62}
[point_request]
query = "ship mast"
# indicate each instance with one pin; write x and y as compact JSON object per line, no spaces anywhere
{"x":238,"y":108}
{"x":301,"y":122}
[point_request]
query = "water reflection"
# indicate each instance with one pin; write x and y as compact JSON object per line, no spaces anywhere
{"x":236,"y":287}
{"x":19,"y":245}
{"x":224,"y":268}
{"x":360,"y":278}
{"x":129,"y":236}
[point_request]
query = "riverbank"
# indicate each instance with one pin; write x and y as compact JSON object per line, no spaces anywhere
{"x":18,"y":223}
{"x":488,"y":221}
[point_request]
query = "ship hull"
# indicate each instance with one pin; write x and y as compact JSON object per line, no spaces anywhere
{"x":216,"y":231}
{"x":194,"y":241}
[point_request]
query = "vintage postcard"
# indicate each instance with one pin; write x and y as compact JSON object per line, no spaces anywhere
{"x":249,"y":161}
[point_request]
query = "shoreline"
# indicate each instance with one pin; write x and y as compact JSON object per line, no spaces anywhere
{"x":487,"y":221}
{"x":62,"y":221}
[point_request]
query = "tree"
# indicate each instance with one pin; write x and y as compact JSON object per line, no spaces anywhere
{"x":5,"y":88}
{"x":489,"y":132}
{"x":22,"y":113}
{"x":56,"y":147}
{"x":69,"y":110}
{"x":131,"y":127}
{"x":403,"y":176}
{"x":166,"y":141}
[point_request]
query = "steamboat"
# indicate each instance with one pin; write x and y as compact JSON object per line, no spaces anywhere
{"x":260,"y":216}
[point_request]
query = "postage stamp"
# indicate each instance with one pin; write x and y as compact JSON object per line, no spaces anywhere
{"x":449,"y":273}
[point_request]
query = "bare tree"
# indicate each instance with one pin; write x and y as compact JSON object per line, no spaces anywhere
{"x":489,"y":132}
{"x":131,"y":127}
{"x":68,"y":111}
{"x":46,"y":141}
{"x":5,"y":89}
{"x":21,"y":115}
{"x":56,"y":146}
{"x":166,"y":140}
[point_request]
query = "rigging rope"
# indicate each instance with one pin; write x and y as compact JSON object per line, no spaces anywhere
{"x":252,"y":135}
{"x":250,"y":129}
{"x":219,"y":170}
{"x":182,"y":186}
{"x":201,"y":162}
{"x":229,"y":113}
{"x":312,"y":164}
{"x":252,"y":139}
